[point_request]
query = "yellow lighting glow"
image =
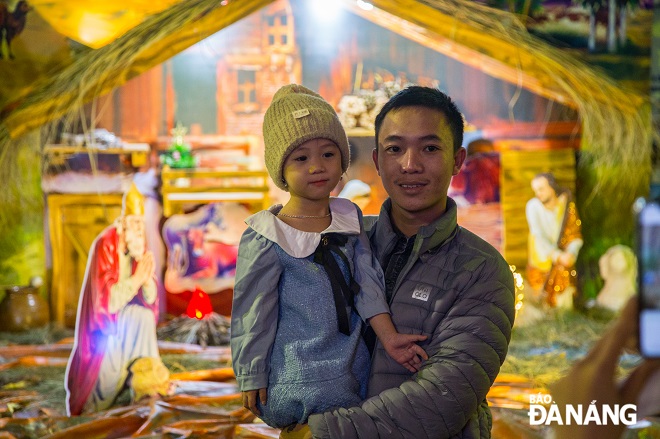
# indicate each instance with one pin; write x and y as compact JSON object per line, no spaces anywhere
{"x":519,"y":284}
{"x":96,"y":23}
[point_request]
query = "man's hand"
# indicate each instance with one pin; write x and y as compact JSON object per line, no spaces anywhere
{"x":594,"y":378}
{"x":250,"y":399}
{"x":403,"y":349}
{"x":296,"y":431}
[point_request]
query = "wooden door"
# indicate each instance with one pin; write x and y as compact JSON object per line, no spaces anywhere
{"x":75,"y":220}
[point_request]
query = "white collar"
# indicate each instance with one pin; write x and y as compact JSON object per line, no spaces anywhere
{"x":298,"y":243}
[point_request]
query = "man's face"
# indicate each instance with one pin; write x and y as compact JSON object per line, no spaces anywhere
{"x":416,"y":161}
{"x":542,"y":190}
{"x":134,"y":236}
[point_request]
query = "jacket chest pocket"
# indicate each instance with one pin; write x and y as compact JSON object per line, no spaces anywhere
{"x":416,"y":305}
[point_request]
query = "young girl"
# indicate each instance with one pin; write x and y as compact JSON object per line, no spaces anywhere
{"x":303,"y":270}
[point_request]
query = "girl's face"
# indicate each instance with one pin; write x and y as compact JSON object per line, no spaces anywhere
{"x":313,"y":169}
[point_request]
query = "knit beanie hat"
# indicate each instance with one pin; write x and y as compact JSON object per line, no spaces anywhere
{"x":296,"y":115}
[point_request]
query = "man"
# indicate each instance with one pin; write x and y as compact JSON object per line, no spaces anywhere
{"x":442,"y":281}
{"x":117,"y":312}
{"x":554,"y":239}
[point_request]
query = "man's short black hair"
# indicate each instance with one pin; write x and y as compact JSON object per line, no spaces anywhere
{"x":418,"y":96}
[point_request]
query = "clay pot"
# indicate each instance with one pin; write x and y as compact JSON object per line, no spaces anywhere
{"x":23,"y":309}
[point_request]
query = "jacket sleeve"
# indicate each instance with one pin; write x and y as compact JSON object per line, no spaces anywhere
{"x":467,"y":349}
{"x":254,"y":310}
{"x":367,"y":272}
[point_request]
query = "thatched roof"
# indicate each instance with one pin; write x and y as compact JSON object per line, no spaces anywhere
{"x":616,"y":130}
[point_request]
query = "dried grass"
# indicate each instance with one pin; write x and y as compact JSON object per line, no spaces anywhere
{"x":544,"y":351}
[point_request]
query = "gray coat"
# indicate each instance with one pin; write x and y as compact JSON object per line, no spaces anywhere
{"x":458,"y":290}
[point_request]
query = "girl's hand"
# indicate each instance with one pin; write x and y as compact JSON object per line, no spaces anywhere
{"x":250,"y":399}
{"x":403,"y":349}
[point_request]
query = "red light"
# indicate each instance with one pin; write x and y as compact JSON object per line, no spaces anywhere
{"x":199,"y":305}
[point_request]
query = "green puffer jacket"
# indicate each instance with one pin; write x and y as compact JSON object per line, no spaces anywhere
{"x":458,"y":290}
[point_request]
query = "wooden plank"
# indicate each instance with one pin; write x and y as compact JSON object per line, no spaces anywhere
{"x":537,"y":144}
{"x":170,"y":173}
{"x":531,"y":130}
